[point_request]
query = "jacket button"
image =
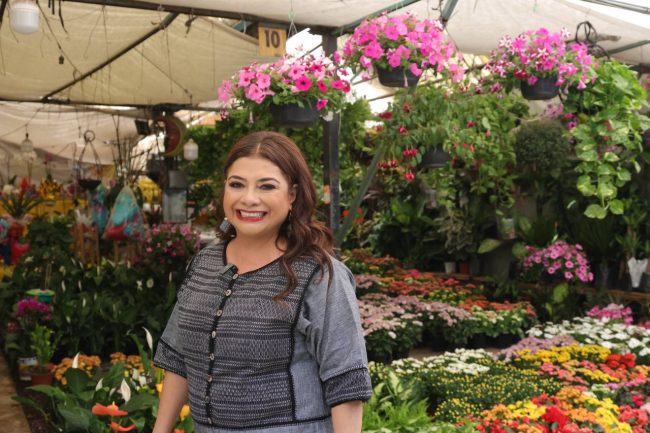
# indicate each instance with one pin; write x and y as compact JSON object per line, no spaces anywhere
{"x":235,"y":276}
{"x":219,"y":313}
{"x":207,"y":398}
{"x":210,"y":421}
{"x":209,"y":378}
{"x":214,"y":334}
{"x":212,"y":357}
{"x":228,"y":292}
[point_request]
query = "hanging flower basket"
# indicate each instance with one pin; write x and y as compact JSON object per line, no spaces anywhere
{"x":435,"y":158}
{"x":396,"y":77}
{"x":401,"y":42}
{"x":309,"y":83}
{"x":293,"y":115}
{"x":89,"y":184}
{"x":544,"y":88}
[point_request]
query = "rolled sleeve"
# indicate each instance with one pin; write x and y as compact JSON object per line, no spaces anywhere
{"x":330,"y":322}
{"x":168,"y":353}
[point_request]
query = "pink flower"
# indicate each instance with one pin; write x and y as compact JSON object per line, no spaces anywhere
{"x":225,"y":91}
{"x":263,"y":80}
{"x":321,"y":86}
{"x":245,"y":77}
{"x":303,"y":83}
{"x":415,"y":70}
{"x":568,"y":275}
{"x":321,"y":103}
{"x":409,"y":176}
{"x":391,"y":33}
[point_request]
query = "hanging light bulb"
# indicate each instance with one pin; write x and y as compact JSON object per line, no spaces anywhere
{"x":190,"y":150}
{"x":24,"y":16}
{"x":26,"y":146}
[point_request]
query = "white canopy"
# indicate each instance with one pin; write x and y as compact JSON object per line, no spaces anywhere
{"x":114,"y":55}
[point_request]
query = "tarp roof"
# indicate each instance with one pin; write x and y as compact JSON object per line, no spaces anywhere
{"x":115,"y":54}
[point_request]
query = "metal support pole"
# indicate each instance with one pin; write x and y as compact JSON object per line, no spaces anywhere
{"x":331,"y":160}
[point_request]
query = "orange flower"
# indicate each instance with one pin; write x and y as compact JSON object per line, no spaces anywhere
{"x":115,"y":426}
{"x":179,"y":430}
{"x":110,"y":410}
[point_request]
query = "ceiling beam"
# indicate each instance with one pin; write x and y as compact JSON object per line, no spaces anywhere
{"x":161,"y":26}
{"x":196,"y":12}
{"x":621,"y":5}
{"x":628,"y":47}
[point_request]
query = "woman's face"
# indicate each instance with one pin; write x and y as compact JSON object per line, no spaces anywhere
{"x":257,"y":197}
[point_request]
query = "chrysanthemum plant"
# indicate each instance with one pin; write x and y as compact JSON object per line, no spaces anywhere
{"x":537,"y":54}
{"x":305,"y":81}
{"x":401,"y":41}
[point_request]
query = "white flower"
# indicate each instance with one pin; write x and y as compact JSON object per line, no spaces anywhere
{"x":150,"y":282}
{"x":149,"y":338}
{"x":125,"y":390}
{"x":633,"y":343}
{"x":75,"y":361}
{"x":100,"y":384}
{"x":392,"y":335}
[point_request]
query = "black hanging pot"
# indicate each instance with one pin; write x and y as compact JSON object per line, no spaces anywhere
{"x":543,"y":89}
{"x":89,"y":184}
{"x":435,"y":158}
{"x":646,"y":140}
{"x":295,"y":116}
{"x":396,"y":77}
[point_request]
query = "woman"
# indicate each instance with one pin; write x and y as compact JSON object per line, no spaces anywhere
{"x":265,"y":336}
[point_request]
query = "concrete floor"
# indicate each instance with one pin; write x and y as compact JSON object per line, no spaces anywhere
{"x":12,"y":418}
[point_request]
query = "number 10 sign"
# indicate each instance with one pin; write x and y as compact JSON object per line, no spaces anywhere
{"x":272,"y":41}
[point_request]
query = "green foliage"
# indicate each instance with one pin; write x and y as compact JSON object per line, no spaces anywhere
{"x":42,"y":345}
{"x":542,"y":149}
{"x":608,"y":136}
{"x":596,"y":237}
{"x":396,"y":405}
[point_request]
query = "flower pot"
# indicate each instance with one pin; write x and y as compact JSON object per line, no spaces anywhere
{"x":645,"y":282}
{"x":602,"y":279}
{"x":504,"y":341}
{"x":89,"y":184}
{"x":543,"y":89}
{"x":25,"y":363}
{"x":295,"y":116}
{"x":434,"y":158}
{"x":42,"y":378}
{"x":450,"y":267}
{"x":480,"y":341}
{"x":636,"y":267}
{"x":396,"y":77}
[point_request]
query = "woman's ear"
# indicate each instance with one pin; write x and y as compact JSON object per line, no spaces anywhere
{"x":293,"y":192}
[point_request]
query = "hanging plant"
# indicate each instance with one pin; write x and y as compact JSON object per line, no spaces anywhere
{"x":539,"y":57}
{"x":308,"y":82}
{"x":608,"y":131}
{"x":404,"y":44}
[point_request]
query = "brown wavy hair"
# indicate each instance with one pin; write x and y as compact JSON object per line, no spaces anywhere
{"x":304,"y":235}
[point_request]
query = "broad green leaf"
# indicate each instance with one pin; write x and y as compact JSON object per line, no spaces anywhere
{"x":606,"y":190}
{"x":139,"y":402}
{"x":616,"y":207}
{"x":488,"y":245}
{"x":623,"y":174}
{"x":610,"y":157}
{"x":49,"y":391}
{"x":76,"y":417}
{"x":588,"y":155}
{"x":585,"y":187}
{"x":77,"y":380}
{"x":519,"y":250}
{"x":596,"y":211}
{"x":560,"y":292}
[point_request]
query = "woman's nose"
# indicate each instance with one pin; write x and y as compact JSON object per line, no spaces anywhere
{"x":250,"y":196}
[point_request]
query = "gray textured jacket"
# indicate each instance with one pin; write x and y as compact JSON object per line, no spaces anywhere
{"x":257,"y":365}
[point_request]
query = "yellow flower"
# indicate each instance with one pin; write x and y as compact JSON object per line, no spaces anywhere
{"x":185,"y":411}
{"x":159,"y":387}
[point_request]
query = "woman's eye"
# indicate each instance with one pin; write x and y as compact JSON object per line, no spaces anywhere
{"x":267,"y":186}
{"x":235,"y":184}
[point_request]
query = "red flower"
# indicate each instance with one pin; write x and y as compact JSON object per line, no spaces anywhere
{"x":407,"y":107}
{"x":110,"y":410}
{"x":115,"y":426}
{"x":555,"y":415}
{"x":403,"y":130}
{"x":409,"y":176}
{"x":471,"y":123}
{"x":386,"y":115}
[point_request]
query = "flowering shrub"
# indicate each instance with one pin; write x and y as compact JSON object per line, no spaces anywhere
{"x":615,"y":312}
{"x":17,"y":202}
{"x":540,"y":53}
{"x":401,"y":41}
{"x":533,"y":344}
{"x":566,"y":261}
{"x":290,"y":80}
{"x":170,"y":244}
{"x":617,"y":337}
{"x":389,"y":328}
{"x":570,"y":410}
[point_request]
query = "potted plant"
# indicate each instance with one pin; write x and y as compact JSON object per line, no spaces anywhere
{"x":635,"y":216}
{"x":43,"y":347}
{"x":540,"y":63}
{"x":399,"y":48}
{"x":295,"y":90}
{"x":457,"y":231}
{"x":607,"y":127}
